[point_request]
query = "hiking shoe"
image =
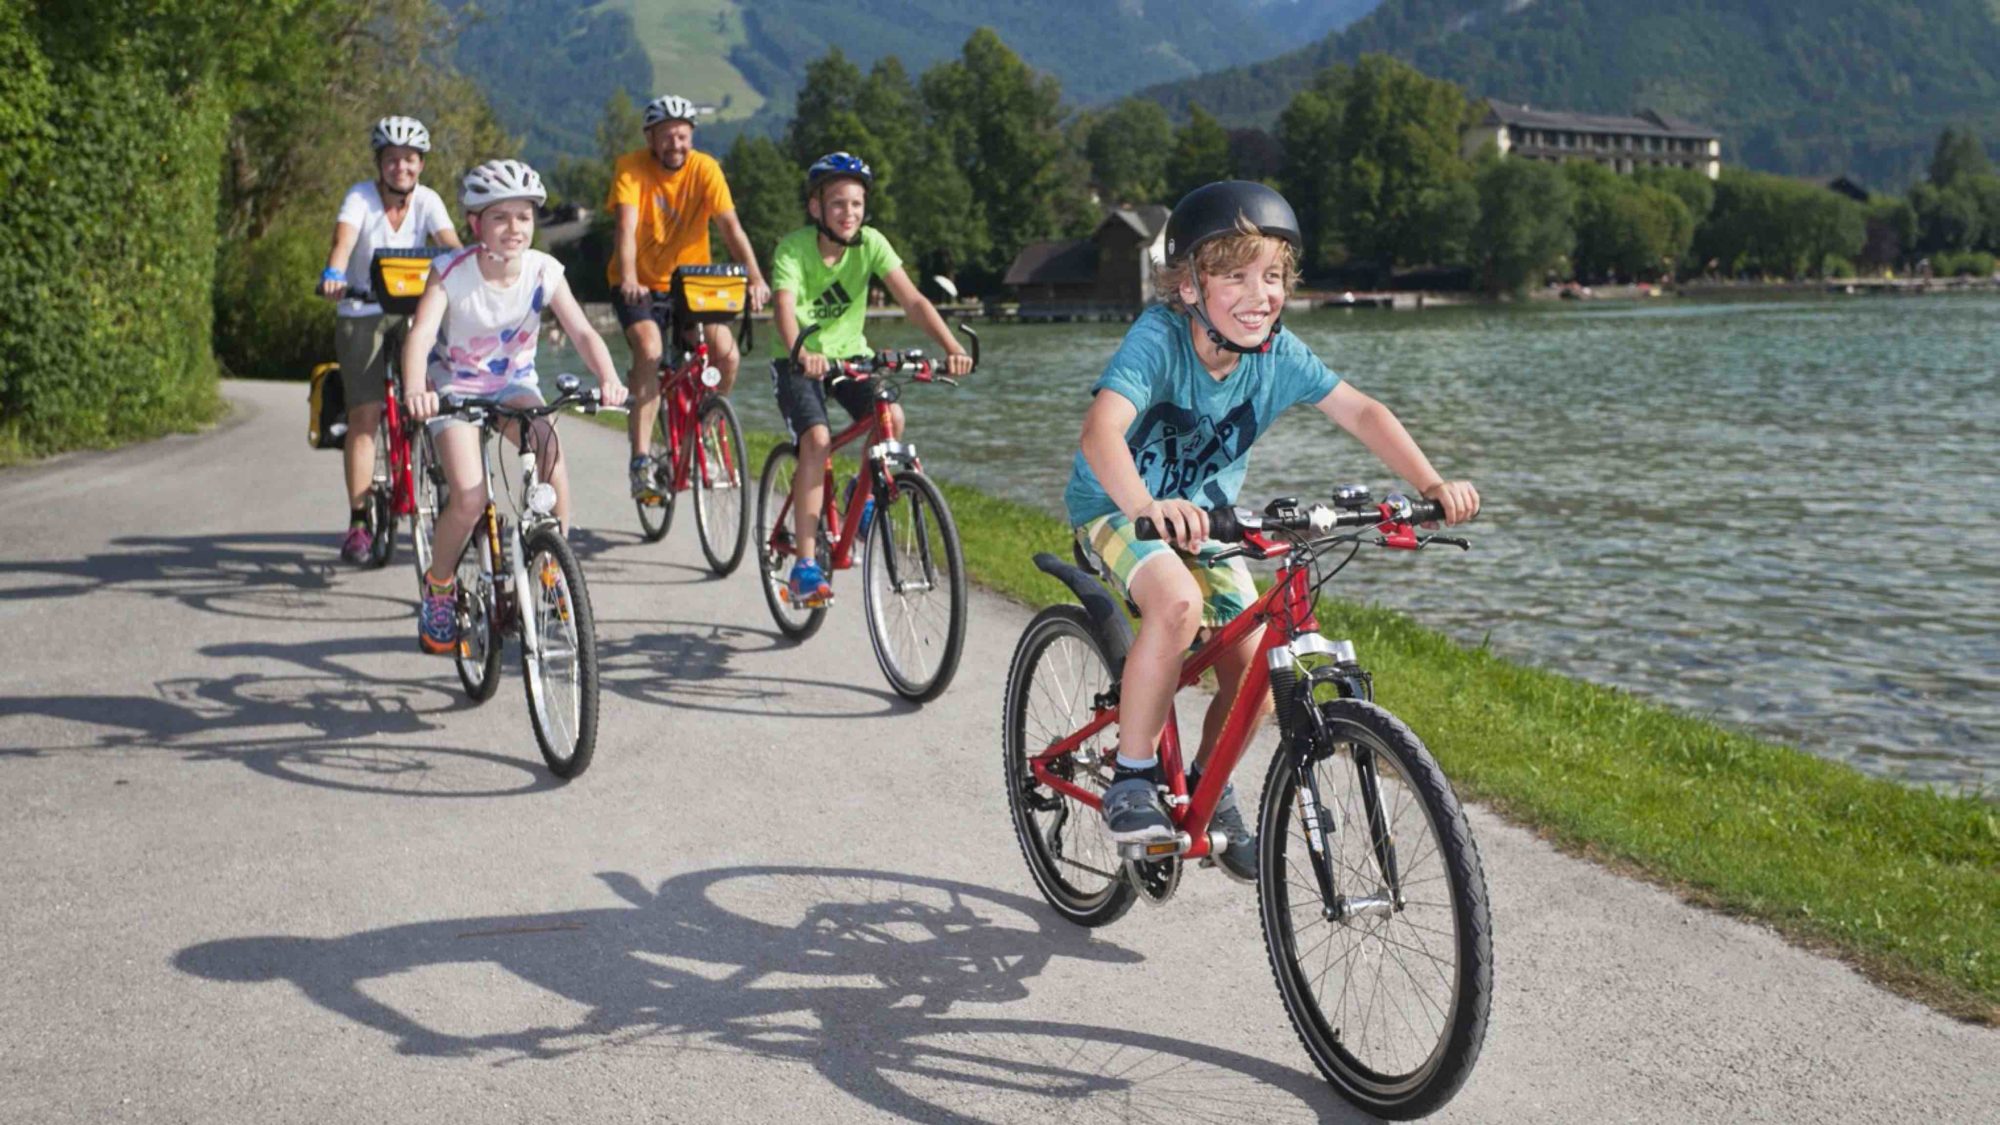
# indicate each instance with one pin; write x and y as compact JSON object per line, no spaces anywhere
{"x":1239,"y":859}
{"x":1134,"y":814}
{"x":357,"y":545}
{"x":808,"y":587}
{"x":437,"y":621}
{"x":643,"y":485}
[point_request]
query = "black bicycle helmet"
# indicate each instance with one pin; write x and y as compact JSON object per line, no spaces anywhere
{"x":1212,"y":210}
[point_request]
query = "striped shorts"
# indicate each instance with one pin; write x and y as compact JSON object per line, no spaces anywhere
{"x":1226,"y":587}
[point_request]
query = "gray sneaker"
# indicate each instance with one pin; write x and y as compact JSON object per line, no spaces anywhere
{"x":643,"y":485}
{"x":1239,"y":859}
{"x":1133,"y":813}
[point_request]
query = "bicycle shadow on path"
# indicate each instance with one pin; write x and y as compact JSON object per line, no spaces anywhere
{"x":857,"y":974}
{"x":327,"y":725}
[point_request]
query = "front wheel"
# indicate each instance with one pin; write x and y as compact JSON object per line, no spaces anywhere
{"x":561,"y":669}
{"x":913,"y":586}
{"x":721,"y":519}
{"x":1388,"y":982}
{"x":774,"y":544}
{"x":1058,"y":673}
{"x":656,"y":512}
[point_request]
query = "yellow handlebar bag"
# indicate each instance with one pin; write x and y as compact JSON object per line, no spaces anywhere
{"x":710,"y":294}
{"x":398,"y":277}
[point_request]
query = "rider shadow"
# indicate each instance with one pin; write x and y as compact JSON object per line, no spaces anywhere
{"x":330,"y":726}
{"x":861,"y":975}
{"x":608,"y":563}
{"x":274,"y":575}
{"x":687,"y":666}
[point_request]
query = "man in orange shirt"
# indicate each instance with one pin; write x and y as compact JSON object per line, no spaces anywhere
{"x":665,"y":195}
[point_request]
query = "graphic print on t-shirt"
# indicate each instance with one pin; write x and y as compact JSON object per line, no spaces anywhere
{"x":831,"y":302}
{"x":1178,"y":452}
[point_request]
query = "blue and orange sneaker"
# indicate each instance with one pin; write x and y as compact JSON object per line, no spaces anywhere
{"x":437,"y":618}
{"x":808,"y":586}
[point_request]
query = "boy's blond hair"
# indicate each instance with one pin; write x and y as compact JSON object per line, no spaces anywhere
{"x":1221,"y":255}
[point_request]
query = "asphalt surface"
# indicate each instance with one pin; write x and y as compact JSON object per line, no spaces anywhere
{"x":264,"y":863}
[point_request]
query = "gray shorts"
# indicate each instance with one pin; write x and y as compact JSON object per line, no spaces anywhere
{"x":802,"y":401}
{"x":360,"y":343}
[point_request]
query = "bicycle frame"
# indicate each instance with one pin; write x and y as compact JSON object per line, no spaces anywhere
{"x":681,"y":396}
{"x":402,"y":479}
{"x":844,"y":528}
{"x":500,"y":562}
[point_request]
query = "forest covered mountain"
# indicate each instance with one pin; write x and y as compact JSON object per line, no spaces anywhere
{"x":550,"y":65}
{"x":1819,"y":87}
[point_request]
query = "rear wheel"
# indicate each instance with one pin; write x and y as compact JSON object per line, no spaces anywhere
{"x":561,"y":673}
{"x":913,"y":584}
{"x":721,"y":519}
{"x":774,"y":544}
{"x":656,"y":513}
{"x":1388,"y":989}
{"x":1059,"y":670}
{"x":479,"y":642}
{"x":427,"y":476}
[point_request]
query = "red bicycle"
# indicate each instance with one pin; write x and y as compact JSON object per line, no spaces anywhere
{"x":913,"y":568}
{"x":1369,"y":885}
{"x":693,"y":419}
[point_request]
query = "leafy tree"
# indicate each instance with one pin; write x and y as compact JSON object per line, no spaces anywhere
{"x":587,"y":180}
{"x":1625,"y":229}
{"x":1307,"y":132}
{"x":1776,"y":226}
{"x":1202,"y":155}
{"x":1128,"y":147}
{"x":1958,"y":155}
{"x":1524,"y":222}
{"x":1948,"y":219}
{"x":1694,"y":189}
{"x":767,"y":186}
{"x":1891,"y":226}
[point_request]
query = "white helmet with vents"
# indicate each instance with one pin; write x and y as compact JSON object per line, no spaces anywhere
{"x":407,"y":131}
{"x":498,"y":180}
{"x":668,"y":107}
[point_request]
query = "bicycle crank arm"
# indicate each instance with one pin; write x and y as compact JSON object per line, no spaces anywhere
{"x":1218,"y":842}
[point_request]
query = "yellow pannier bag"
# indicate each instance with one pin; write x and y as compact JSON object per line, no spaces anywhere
{"x":398,"y":277}
{"x":326,"y":408}
{"x":710,"y":294}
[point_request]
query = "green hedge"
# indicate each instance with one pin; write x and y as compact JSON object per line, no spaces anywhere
{"x":112,"y":132}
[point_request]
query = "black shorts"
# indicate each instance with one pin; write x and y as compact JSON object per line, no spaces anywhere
{"x":657,"y":307}
{"x":803,"y":401}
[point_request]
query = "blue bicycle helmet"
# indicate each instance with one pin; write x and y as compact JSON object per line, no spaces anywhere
{"x":839,"y":164}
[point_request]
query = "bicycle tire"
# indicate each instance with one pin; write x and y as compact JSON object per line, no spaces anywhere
{"x":431,"y":493}
{"x":918,"y":528}
{"x":479,"y":640}
{"x":655,"y":517}
{"x":1409,"y":1063}
{"x":1072,"y":840}
{"x":382,"y":501}
{"x":561,"y":707}
{"x":774,"y":493}
{"x":721,"y":520}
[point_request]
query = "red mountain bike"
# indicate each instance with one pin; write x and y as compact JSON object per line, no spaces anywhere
{"x":1369,"y":884}
{"x":913,"y":568}
{"x":697,"y":444}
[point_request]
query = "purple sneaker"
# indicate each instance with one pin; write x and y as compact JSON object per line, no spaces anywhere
{"x":356,"y":546}
{"x":437,"y":623}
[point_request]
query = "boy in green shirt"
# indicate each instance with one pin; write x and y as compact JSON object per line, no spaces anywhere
{"x":820,"y":275}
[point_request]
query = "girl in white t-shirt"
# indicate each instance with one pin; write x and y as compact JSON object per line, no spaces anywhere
{"x":474,"y":333}
{"x":393,"y":211}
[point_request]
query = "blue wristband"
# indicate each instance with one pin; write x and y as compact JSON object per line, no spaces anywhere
{"x":331,"y":274}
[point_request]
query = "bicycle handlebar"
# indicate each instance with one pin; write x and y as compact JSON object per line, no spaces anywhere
{"x":913,"y":362}
{"x":470,"y":407}
{"x":1229,"y":525}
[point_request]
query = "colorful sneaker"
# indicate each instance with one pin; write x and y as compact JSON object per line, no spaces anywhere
{"x":644,"y":487}
{"x":1239,"y":859}
{"x":1134,"y":813}
{"x":808,"y":587}
{"x":437,"y":620}
{"x":357,"y":545}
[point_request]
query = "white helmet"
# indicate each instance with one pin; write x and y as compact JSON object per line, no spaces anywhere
{"x":498,"y":180}
{"x":667,"y":107}
{"x":407,"y":131}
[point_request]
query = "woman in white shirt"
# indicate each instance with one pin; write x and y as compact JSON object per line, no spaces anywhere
{"x":483,"y":312}
{"x":393,"y":211}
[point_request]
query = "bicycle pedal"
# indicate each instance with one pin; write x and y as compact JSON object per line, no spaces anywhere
{"x":1154,"y":850}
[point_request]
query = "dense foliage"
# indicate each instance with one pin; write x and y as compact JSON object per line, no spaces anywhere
{"x":1856,"y":86}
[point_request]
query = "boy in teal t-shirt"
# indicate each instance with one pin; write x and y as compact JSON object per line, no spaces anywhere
{"x":820,"y":276}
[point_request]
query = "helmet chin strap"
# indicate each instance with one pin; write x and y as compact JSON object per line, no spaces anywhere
{"x":1223,"y":342}
{"x":832,"y":237}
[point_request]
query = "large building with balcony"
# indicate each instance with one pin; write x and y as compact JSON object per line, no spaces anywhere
{"x":1648,"y":140}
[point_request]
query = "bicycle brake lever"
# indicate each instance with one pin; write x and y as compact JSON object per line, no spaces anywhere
{"x":1449,"y":541}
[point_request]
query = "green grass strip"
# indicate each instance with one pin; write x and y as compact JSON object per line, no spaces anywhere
{"x":1902,"y":883}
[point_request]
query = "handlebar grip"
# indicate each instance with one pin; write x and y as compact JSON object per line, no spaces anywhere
{"x":1223,"y":526}
{"x":1426,"y":511}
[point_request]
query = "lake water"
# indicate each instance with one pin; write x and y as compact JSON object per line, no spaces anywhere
{"x":1781,"y":514}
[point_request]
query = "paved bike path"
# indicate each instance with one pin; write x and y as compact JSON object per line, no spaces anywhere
{"x":265,"y":864}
